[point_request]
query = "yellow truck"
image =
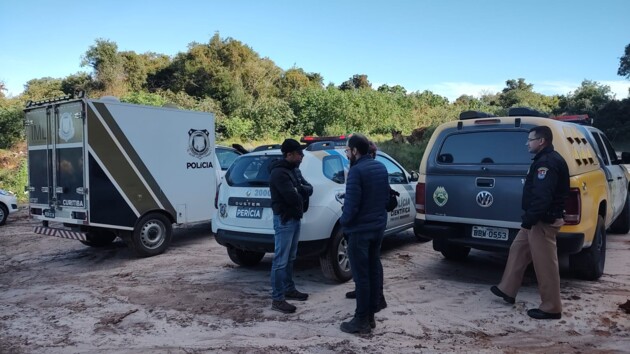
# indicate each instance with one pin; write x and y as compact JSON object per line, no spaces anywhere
{"x":471,"y":180}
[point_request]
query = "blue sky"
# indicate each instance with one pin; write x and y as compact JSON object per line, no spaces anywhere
{"x":449,"y":47}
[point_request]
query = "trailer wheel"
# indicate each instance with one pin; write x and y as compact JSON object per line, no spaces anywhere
{"x":244,"y":258}
{"x":152,"y":235}
{"x":97,"y":237}
{"x":4,"y":212}
{"x":334,"y":261}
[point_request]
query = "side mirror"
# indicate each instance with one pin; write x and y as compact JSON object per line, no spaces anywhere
{"x":414,"y":176}
{"x":625,"y":157}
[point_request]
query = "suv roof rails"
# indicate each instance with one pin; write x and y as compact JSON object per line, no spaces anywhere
{"x":474,"y":114}
{"x":321,"y":145}
{"x":267,"y":147}
{"x":526,"y":112}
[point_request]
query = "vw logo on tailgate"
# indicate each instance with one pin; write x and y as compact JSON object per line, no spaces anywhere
{"x":484,"y":199}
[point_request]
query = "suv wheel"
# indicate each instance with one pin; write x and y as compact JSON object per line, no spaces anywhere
{"x":589,"y":263}
{"x":244,"y":258}
{"x":622,"y":224}
{"x":334,"y":262}
{"x":4,"y":212}
{"x":454,"y":252}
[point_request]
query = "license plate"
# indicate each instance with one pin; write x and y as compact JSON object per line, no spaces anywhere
{"x":249,"y":212}
{"x":490,"y":233}
{"x":49,"y":213}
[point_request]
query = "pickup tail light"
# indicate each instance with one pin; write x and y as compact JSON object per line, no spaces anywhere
{"x":573,"y":207}
{"x":421,"y":198}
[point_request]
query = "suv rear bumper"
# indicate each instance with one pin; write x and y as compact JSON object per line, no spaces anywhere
{"x":444,"y":233}
{"x":250,"y":241}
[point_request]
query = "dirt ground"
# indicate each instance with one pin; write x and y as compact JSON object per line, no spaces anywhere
{"x":59,"y":296}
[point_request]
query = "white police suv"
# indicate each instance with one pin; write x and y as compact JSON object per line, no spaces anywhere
{"x":8,"y":205}
{"x":244,"y":221}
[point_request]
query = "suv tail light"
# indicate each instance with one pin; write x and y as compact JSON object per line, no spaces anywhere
{"x":420,"y":198}
{"x":573,"y":207}
{"x":216,"y":197}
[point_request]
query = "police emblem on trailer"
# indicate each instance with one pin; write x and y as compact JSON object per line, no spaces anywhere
{"x":199,"y":143}
{"x":484,"y":199}
{"x":66,"y":127}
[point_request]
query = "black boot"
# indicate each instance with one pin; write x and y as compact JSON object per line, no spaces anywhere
{"x":372,"y":321}
{"x":381,"y":304}
{"x":356,"y":325}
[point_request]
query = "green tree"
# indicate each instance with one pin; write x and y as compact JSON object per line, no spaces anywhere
{"x":589,"y":98}
{"x":614,"y":120}
{"x":46,"y":87}
{"x":624,"y":64}
{"x":11,"y":122}
{"x":396,"y":89}
{"x":108,"y":66}
{"x":356,"y":82}
{"x":80,"y":81}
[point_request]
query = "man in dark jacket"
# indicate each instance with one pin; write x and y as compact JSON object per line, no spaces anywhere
{"x":289,"y":199}
{"x":353,"y":294}
{"x":544,"y":193}
{"x":363,"y":220}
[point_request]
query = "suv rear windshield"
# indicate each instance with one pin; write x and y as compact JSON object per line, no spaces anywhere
{"x":250,"y":171}
{"x":488,"y":147}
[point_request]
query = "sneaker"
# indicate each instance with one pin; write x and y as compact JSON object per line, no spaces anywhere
{"x":282,"y":306}
{"x":295,"y":295}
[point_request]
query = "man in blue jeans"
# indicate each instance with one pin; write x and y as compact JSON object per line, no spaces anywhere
{"x":289,"y":200}
{"x":363,"y":220}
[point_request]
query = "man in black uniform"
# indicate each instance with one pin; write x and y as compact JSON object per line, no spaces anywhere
{"x":290,"y":193}
{"x":544,"y":193}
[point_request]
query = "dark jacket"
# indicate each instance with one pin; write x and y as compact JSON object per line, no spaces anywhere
{"x":289,"y":190}
{"x":367,"y":196}
{"x":546,"y":188}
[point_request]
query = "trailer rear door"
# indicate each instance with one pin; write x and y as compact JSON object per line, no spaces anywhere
{"x":55,"y":136}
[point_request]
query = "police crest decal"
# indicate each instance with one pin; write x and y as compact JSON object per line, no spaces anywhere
{"x":440,"y":196}
{"x":199,"y":143}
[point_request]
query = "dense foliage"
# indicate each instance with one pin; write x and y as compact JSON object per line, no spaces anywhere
{"x":255,"y":100}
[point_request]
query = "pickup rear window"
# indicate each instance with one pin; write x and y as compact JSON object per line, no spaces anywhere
{"x":485,"y":147}
{"x":250,"y":171}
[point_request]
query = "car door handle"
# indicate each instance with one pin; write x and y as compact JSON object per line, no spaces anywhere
{"x":619,"y":177}
{"x":610,"y":180}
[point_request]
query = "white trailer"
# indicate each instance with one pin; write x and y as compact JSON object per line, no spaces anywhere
{"x":99,"y":169}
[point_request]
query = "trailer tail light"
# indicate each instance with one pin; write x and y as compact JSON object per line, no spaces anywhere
{"x":573,"y":207}
{"x":216,"y":197}
{"x":420,"y":198}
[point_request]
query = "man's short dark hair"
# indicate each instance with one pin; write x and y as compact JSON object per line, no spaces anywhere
{"x":360,"y":142}
{"x":544,"y":132}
